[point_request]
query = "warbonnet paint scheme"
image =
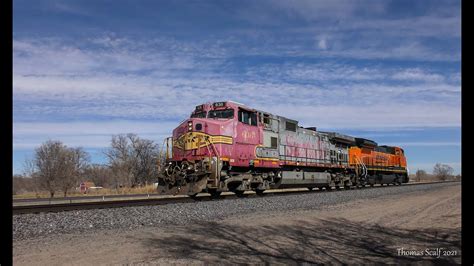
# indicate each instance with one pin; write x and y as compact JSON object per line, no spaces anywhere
{"x":227,"y":146}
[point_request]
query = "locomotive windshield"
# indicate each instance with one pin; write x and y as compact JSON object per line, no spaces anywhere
{"x":227,"y":113}
{"x":199,"y":115}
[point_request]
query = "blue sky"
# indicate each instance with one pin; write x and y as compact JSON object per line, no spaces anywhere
{"x":384,"y":70}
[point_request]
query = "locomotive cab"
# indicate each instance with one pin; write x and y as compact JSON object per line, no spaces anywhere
{"x":218,"y":110}
{"x":215,"y":138}
{"x":208,"y":125}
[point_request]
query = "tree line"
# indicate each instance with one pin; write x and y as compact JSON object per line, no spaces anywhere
{"x":441,"y":172}
{"x":131,"y":161}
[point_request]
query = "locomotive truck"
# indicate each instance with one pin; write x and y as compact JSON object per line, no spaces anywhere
{"x":227,"y":146}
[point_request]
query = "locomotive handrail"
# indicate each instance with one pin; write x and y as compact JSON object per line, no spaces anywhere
{"x":208,"y":150}
{"x":362,"y":165}
{"x":160,"y":154}
{"x":218,"y":172}
{"x":317,"y":160}
{"x":167,"y":153}
{"x":168,"y":147}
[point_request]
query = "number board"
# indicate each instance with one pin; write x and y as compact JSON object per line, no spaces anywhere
{"x":219,"y":104}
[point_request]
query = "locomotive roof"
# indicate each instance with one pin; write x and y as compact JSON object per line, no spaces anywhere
{"x":336,"y":136}
{"x":265,"y":112}
{"x":340,"y":137}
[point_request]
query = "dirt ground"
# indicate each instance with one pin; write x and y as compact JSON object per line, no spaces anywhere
{"x":416,"y":227}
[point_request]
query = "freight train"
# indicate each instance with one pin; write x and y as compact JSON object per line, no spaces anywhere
{"x":227,"y":146}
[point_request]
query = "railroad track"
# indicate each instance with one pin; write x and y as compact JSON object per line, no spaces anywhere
{"x":131,"y":200}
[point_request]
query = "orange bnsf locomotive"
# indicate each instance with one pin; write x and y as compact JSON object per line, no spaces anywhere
{"x":227,"y":146}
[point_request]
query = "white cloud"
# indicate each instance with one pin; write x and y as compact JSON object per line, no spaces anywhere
{"x":431,"y":25}
{"x":145,"y":97}
{"x":369,"y":17}
{"x":337,"y":72}
{"x":65,"y":7}
{"x":317,"y":10}
{"x":55,"y":81}
{"x":425,"y":144}
{"x":113,"y":55}
{"x":417,"y":75}
{"x":374,"y":117}
{"x":362,"y":29}
{"x":28,"y":135}
{"x":322,"y":44}
{"x":408,"y":50}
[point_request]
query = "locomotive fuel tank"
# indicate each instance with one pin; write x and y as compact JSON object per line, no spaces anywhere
{"x":306,"y":179}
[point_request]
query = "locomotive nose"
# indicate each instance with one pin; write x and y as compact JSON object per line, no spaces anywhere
{"x":189,"y":135}
{"x":193,"y":124}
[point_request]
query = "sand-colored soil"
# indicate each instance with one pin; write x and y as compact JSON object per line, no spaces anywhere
{"x":367,"y":231}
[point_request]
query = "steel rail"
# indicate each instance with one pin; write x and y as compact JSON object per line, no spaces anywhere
{"x":58,"y":207}
{"x":95,"y":197}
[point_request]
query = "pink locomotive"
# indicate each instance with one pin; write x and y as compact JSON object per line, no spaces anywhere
{"x":227,"y":146}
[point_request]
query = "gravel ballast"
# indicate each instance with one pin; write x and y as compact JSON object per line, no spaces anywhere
{"x":27,"y":226}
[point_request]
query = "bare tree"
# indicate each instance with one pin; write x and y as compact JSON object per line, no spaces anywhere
{"x":22,"y":184}
{"x":133,"y":160}
{"x":75,"y":163}
{"x":146,"y":161}
{"x":420,"y":174}
{"x":56,"y":167}
{"x":16,"y":183}
{"x":120,"y":160}
{"x":442,"y":171}
{"x":30,"y":169}
{"x":101,"y":175}
{"x":162,"y":155}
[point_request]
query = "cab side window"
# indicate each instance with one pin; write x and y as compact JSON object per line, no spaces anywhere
{"x":290,"y":126}
{"x":266,"y":119}
{"x":247,"y":117}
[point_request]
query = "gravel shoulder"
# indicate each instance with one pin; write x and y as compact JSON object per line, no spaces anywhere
{"x":359,"y":226}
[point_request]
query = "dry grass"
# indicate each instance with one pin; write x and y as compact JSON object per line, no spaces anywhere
{"x":431,"y":178}
{"x":146,"y":190}
{"x":92,"y":192}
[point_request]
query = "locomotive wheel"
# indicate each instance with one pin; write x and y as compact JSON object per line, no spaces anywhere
{"x":259,"y":192}
{"x":310,"y":188}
